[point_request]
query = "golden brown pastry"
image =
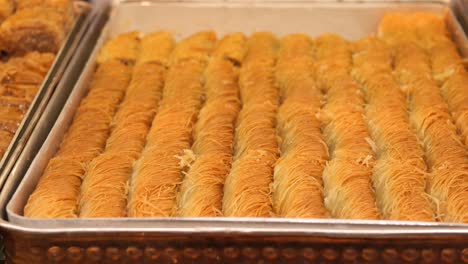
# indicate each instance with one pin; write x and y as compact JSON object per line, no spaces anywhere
{"x":5,"y":138}
{"x":55,"y":194}
{"x":430,"y":32}
{"x":256,"y":127}
{"x":196,"y":47}
{"x":201,"y":191}
{"x":232,"y":48}
{"x":107,"y":90}
{"x":20,"y":78}
{"x":7,"y":7}
{"x":109,"y":172}
{"x":59,"y":187}
{"x":12,"y":111}
{"x":445,"y":154}
{"x":85,"y":139}
{"x":60,"y":5}
{"x":25,"y":91}
{"x":247,"y":186}
{"x":347,"y":176}
{"x":455,"y":90}
{"x":155,"y":48}
{"x":297,"y":184}
{"x":160,"y":168}
{"x":29,"y":69}
{"x":124,"y":47}
{"x":12,"y":108}
{"x":106,"y":181}
{"x":33,"y":29}
{"x":400,"y":174}
{"x":448,"y":70}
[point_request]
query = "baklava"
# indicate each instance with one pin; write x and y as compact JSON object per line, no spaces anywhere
{"x":31,"y":32}
{"x":20,"y":79}
{"x":36,"y":26}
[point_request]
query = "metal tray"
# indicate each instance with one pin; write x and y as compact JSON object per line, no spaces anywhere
{"x":43,"y":95}
{"x":227,"y":240}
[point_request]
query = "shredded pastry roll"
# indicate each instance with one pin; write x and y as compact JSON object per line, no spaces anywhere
{"x":202,"y":187}
{"x":400,"y":173}
{"x":106,"y":180}
{"x":429,"y":31}
{"x":124,"y":47}
{"x":348,"y":175}
{"x":297,"y":185}
{"x":85,"y":139}
{"x":196,"y":47}
{"x":445,"y":154}
{"x":247,"y":187}
{"x":7,"y":7}
{"x":20,"y":79}
{"x":161,"y":167}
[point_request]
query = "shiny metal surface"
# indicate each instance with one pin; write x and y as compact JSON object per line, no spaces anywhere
{"x":215,"y":240}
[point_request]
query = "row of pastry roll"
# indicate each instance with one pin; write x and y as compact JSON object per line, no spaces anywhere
{"x":430,"y":32}
{"x":160,"y":169}
{"x":247,"y":187}
{"x":105,"y":181}
{"x":347,"y":176}
{"x":91,"y":170}
{"x":20,"y":79}
{"x":34,"y":25}
{"x":445,"y":154}
{"x":400,"y":171}
{"x":297,"y":185}
{"x":201,"y":191}
{"x":255,"y":127}
{"x":58,"y":191}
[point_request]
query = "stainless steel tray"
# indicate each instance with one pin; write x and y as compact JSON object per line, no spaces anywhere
{"x":228,"y":240}
{"x":43,"y":95}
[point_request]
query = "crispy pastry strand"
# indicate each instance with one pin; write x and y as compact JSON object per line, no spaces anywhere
{"x":34,"y":29}
{"x":297,"y":184}
{"x":159,"y":170}
{"x":247,"y":187}
{"x":85,"y":139}
{"x":347,"y":176}
{"x":400,"y":171}
{"x":57,"y":191}
{"x":430,"y":32}
{"x":60,"y":5}
{"x":448,"y":70}
{"x":445,"y":154}
{"x":7,"y":7}
{"x":104,"y":187}
{"x":124,"y":47}
{"x":196,"y":47}
{"x":20,"y":78}
{"x":202,"y":188}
